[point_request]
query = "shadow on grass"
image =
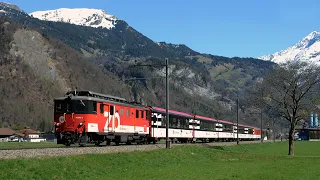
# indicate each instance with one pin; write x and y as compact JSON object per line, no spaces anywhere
{"x":217,"y":147}
{"x":222,"y":148}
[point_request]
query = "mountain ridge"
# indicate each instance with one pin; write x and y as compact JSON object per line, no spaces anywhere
{"x":78,"y":16}
{"x":307,"y":49}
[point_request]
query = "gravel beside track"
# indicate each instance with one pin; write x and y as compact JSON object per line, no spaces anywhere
{"x":54,"y":152}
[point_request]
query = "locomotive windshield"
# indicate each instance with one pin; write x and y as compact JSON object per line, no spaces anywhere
{"x":75,"y":106}
{"x":63,"y":106}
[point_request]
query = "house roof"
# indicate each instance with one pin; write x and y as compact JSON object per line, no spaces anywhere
{"x":19,"y":134}
{"x":6,"y":132}
{"x":28,"y":131}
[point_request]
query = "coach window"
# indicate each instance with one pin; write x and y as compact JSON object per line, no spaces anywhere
{"x":211,"y":126}
{"x":164,"y":120}
{"x":111,"y":110}
{"x":142,"y":114}
{"x":154,"y":118}
{"x":173,"y":122}
{"x":228,"y":128}
{"x":101,"y":108}
{"x":182,"y":123}
{"x":128,"y":112}
{"x":121,"y":112}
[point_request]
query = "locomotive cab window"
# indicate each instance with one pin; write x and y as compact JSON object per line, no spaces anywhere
{"x":63,"y":106}
{"x":142,"y":114}
{"x":60,"y":107}
{"x":84,"y":107}
{"x":81,"y":106}
{"x":137,"y":113}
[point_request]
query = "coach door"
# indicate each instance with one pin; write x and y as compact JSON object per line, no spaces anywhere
{"x":154,"y":124}
{"x":101,"y":118}
{"x":112,"y":118}
{"x":106,"y":117}
{"x":135,"y":120}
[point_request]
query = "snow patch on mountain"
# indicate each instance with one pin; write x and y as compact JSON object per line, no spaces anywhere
{"x":78,"y":16}
{"x":307,"y":49}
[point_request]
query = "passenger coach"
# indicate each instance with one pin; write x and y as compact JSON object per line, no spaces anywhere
{"x":184,"y":127}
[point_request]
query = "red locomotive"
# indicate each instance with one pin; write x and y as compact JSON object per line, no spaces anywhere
{"x":88,"y":117}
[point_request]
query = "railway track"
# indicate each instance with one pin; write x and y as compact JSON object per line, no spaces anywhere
{"x":75,"y":150}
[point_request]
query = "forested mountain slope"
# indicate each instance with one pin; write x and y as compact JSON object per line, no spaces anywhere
{"x":67,"y":56}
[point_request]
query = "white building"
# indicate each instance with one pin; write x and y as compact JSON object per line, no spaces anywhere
{"x":32,"y":135}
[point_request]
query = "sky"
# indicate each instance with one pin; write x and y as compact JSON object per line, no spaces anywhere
{"x":246,"y":28}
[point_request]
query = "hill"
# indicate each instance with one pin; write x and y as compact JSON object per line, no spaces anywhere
{"x":34,"y":70}
{"x":102,"y":59}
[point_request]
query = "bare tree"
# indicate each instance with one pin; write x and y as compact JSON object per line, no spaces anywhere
{"x":290,"y":92}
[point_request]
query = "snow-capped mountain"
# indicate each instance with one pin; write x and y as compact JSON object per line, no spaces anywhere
{"x":78,"y":16}
{"x":5,"y":5}
{"x":308,"y":49}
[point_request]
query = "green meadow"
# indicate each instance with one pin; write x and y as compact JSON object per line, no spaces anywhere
{"x":23,"y":145}
{"x":248,"y":161}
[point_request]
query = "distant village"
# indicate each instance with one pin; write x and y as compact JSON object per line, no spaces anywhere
{"x":25,"y":135}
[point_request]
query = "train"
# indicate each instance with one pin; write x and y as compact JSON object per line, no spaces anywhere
{"x":87,"y":117}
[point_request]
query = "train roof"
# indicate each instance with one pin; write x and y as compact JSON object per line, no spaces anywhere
{"x":93,"y":96}
{"x":157,"y":109}
{"x":183,"y":114}
{"x":206,"y":118}
{"x":96,"y":95}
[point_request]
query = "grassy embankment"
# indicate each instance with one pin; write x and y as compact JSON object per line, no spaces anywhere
{"x":251,"y":161}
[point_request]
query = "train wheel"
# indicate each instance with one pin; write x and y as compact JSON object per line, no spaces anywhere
{"x":108,"y":142}
{"x":117,"y":142}
{"x":67,"y":143}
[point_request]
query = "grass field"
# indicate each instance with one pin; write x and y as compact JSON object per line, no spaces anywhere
{"x":18,"y":145}
{"x":251,"y":161}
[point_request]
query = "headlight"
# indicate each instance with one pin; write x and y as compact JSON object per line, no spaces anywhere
{"x":61,"y":119}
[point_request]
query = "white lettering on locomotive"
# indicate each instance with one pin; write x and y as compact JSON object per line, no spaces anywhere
{"x":112,"y":121}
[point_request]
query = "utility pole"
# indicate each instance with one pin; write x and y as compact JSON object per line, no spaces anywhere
{"x":261,"y":118}
{"x":281,"y":130}
{"x":237,"y":119}
{"x":261,"y":124}
{"x":167,"y":107}
{"x":167,"y":97}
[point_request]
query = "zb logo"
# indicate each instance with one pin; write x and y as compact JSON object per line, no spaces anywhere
{"x":112,"y":121}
